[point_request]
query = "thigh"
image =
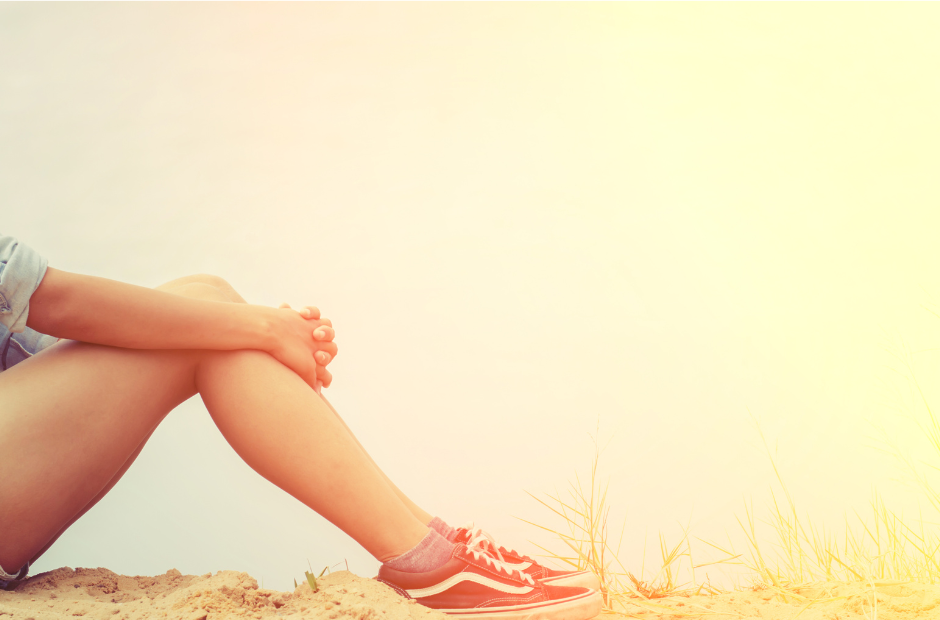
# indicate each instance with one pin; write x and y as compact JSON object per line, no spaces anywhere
{"x":70,"y":419}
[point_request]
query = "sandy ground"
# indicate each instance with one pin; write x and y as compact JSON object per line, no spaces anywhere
{"x":100,"y":593}
{"x":891,"y":601}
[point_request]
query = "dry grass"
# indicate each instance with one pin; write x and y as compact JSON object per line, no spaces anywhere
{"x":880,"y":549}
{"x":584,"y":513}
{"x":786,"y":550}
{"x":877,"y":549}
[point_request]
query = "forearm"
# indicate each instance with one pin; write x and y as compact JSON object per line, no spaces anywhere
{"x":102,"y":311}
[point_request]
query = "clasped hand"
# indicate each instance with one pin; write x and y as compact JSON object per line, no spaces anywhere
{"x":305,"y":344}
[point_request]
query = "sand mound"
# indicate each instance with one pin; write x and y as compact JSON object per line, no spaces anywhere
{"x":100,"y":593}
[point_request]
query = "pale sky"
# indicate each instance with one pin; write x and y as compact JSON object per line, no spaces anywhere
{"x":525,"y":221}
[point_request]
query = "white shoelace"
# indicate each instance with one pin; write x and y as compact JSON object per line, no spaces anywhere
{"x":480,"y":544}
{"x":489,"y":559}
{"x":480,"y":537}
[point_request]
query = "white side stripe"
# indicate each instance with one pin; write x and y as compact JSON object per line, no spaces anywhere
{"x":521,"y":566}
{"x":452,"y":581}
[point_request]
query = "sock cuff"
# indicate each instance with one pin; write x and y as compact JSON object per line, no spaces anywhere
{"x":432,"y":552}
{"x":443,"y":529}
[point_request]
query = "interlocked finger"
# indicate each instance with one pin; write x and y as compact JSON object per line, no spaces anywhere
{"x":324,"y":333}
{"x":324,"y":376}
{"x":310,"y":312}
{"x":329,"y":348}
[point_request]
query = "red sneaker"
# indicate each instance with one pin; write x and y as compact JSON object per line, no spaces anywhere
{"x":475,"y":586}
{"x":475,"y":537}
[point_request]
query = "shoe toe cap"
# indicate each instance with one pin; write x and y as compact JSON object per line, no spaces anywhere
{"x":555,"y":593}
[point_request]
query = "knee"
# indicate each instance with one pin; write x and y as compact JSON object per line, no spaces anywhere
{"x":203,"y":286}
{"x":198,"y":290}
{"x":210,"y":280}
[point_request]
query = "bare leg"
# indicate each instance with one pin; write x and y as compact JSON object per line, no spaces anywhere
{"x":72,"y":416}
{"x":76,"y":415}
{"x":286,"y":433}
{"x":419,"y":513}
{"x":200,"y":286}
{"x":114,"y":480}
{"x":237,"y":390}
{"x":212,"y":287}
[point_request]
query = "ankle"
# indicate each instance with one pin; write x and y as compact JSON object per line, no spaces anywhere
{"x":432,"y":552}
{"x":442,"y":528}
{"x":404,"y":542}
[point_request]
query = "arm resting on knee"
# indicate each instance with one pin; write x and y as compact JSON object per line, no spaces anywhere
{"x":91,"y":309}
{"x":101,"y":311}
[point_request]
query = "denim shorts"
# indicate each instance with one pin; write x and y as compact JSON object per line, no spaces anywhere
{"x":8,"y":582}
{"x":14,"y":348}
{"x":21,"y":272}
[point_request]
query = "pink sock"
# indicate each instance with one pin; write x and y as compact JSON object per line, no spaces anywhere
{"x":432,"y":552}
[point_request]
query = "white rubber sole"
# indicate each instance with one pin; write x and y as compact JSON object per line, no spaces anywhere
{"x":580,"y":579}
{"x":582,"y":607}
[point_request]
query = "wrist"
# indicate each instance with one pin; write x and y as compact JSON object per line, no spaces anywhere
{"x":259,"y":327}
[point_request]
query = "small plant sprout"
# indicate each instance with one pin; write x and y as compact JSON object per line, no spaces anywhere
{"x":312,"y":579}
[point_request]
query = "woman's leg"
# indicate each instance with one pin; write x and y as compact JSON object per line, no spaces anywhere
{"x":76,"y":415}
{"x":286,"y":433}
{"x":270,"y":417}
{"x":212,"y":287}
{"x":200,"y":286}
{"x":72,"y":416}
{"x":422,"y":515}
{"x":107,"y":488}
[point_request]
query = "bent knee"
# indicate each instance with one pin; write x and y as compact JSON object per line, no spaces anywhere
{"x":211,"y":280}
{"x":200,"y":278}
{"x":198,"y":290}
{"x":197,"y":285}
